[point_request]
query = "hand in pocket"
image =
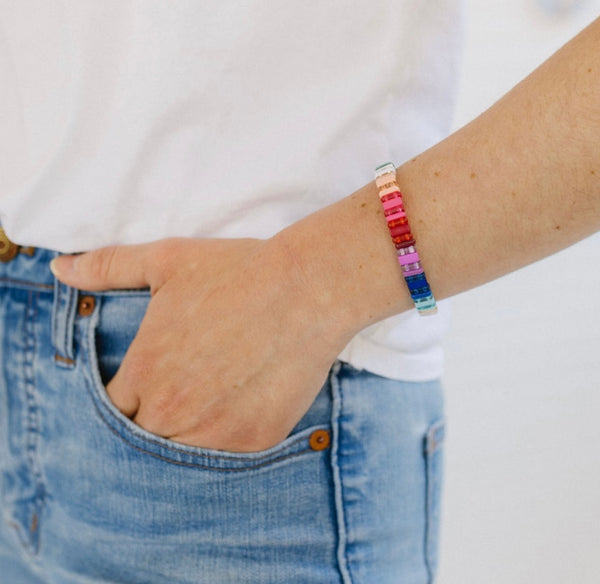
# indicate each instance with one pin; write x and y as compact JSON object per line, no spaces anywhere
{"x":231,"y":352}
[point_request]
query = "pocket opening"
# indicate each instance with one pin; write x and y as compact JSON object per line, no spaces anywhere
{"x":99,"y":367}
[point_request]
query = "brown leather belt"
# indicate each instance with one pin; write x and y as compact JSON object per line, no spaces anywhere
{"x":9,"y":249}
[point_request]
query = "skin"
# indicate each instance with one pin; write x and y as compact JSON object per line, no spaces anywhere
{"x":240,"y":334}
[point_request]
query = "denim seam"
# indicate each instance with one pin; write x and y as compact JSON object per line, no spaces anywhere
{"x":32,"y":425}
{"x":434,"y":441}
{"x":25,"y":283}
{"x":195,"y":464}
{"x":336,"y":392}
{"x":68,"y":316}
{"x":55,"y":309}
{"x":186,"y":453}
{"x":63,"y":314}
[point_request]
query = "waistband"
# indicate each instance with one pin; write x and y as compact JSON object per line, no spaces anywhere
{"x":29,"y":268}
{"x":22,"y":266}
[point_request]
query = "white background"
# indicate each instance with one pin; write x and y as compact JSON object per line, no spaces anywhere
{"x":522,"y":485}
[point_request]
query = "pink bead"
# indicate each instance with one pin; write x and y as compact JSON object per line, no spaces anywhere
{"x":387,"y":205}
{"x":399,"y":215}
{"x":409,"y":258}
{"x":414,"y":272}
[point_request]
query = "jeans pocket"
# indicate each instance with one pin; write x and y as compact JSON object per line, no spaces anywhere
{"x":105,"y":339}
{"x":434,"y":441}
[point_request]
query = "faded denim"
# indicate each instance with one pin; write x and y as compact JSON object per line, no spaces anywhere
{"x":89,"y":497}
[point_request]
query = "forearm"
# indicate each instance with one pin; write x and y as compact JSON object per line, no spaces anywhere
{"x":519,"y":183}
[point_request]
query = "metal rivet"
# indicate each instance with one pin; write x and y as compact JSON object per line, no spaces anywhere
{"x":86,"y":305}
{"x":64,"y":360}
{"x":319,"y":440}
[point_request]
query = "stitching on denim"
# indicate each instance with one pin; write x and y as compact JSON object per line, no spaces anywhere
{"x":196,"y":464}
{"x":28,"y":284}
{"x":62,"y":320}
{"x":32,"y":427}
{"x":5,"y":280}
{"x":54,"y":315}
{"x":265,"y":457}
{"x":336,"y":411}
{"x":67,"y":318}
{"x":90,"y":387}
{"x":175,"y":448}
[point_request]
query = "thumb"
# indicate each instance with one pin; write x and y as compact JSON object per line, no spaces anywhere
{"x":105,"y":268}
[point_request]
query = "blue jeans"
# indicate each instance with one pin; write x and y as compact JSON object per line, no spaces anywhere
{"x":351,"y":496}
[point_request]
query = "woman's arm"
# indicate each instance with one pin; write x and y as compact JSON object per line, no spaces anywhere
{"x":239,"y":334}
{"x":520,"y":182}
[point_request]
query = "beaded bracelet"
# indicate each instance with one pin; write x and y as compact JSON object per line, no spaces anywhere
{"x":408,"y":257}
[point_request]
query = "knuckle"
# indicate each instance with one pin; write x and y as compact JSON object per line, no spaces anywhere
{"x":162,"y":254}
{"x":164,"y":413}
{"x":101,"y":264}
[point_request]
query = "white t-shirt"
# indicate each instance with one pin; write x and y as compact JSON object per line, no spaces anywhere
{"x":133,"y":120}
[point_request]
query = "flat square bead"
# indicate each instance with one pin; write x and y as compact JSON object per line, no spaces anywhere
{"x":413,"y":272}
{"x":409,"y":258}
{"x":406,"y":250}
{"x":400,"y":230}
{"x":385,"y":168}
{"x":395,"y":203}
{"x":421,"y":295}
{"x":395,"y":216}
{"x":389,"y":190}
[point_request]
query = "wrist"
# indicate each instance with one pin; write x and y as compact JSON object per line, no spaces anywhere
{"x":346,"y":264}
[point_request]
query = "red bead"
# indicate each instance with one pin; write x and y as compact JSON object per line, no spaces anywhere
{"x":400,"y":230}
{"x":403,"y":238}
{"x":397,"y":222}
{"x":405,"y":243}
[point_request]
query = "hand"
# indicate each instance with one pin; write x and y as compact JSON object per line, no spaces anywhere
{"x":230,"y":354}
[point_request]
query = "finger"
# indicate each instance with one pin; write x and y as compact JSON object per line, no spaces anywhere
{"x":165,"y":412}
{"x":123,"y":399}
{"x":106,"y":268}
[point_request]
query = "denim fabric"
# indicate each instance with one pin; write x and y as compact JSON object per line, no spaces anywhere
{"x":89,"y":497}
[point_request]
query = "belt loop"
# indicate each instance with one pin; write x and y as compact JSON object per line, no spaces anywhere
{"x":63,"y":323}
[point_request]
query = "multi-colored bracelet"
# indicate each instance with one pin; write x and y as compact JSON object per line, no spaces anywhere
{"x":408,"y":257}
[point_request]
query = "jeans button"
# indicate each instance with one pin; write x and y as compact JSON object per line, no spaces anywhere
{"x":8,"y":249}
{"x":319,"y":440}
